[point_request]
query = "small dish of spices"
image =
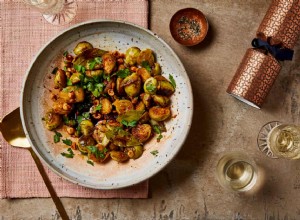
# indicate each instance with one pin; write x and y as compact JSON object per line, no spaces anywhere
{"x":188,"y":26}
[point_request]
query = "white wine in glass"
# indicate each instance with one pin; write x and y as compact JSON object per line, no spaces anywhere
{"x":284,"y":141}
{"x":236,"y":172}
{"x":57,"y":12}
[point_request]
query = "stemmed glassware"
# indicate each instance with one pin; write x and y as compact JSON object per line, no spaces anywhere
{"x":57,"y":12}
{"x":277,"y":139}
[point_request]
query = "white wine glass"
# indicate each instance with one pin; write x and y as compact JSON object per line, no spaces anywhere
{"x":236,"y":171}
{"x":56,"y":12}
{"x":279,"y":140}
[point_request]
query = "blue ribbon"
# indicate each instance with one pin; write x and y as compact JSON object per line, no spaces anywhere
{"x":277,"y":51}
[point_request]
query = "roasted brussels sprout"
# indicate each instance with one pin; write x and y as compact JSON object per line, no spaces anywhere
{"x":165,"y":88}
{"x":144,"y":74}
{"x":134,"y":152}
{"x":145,"y":118}
{"x":146,"y":57}
{"x":131,"y":55}
{"x":156,"y":70}
{"x":84,"y":141}
{"x":82,"y":46}
{"x":86,"y":127}
{"x":132,"y":85}
{"x":146,"y":99}
{"x":52,"y":120}
{"x":72,"y":94}
{"x":75,"y":78}
{"x":159,"y":114}
{"x":150,"y":86}
{"x":106,"y":106}
{"x":94,"y":73}
{"x":123,"y":106}
{"x":60,"y":79}
{"x":61,"y":107}
{"x":109,"y":63}
{"x":119,"y":88}
{"x":160,"y":100}
{"x":142,"y":132}
{"x":140,"y":106}
{"x":119,"y":156}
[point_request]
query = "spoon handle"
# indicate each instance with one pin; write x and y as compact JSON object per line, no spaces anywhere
{"x":55,"y":198}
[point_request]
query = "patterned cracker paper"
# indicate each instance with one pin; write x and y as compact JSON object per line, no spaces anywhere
{"x":281,"y":23}
{"x":23,"y":33}
{"x":254,"y":77}
{"x":258,"y":71}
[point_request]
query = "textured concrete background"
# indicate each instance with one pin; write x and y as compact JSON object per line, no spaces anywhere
{"x":187,"y":188}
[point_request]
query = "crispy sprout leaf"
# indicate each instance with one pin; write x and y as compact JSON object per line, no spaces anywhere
{"x":57,"y":137}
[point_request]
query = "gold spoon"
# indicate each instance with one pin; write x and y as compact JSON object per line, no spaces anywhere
{"x":12,"y":132}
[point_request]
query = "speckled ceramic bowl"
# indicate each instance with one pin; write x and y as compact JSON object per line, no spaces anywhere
{"x":108,"y":35}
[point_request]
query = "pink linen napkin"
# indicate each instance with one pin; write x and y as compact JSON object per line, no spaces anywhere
{"x":23,"y":31}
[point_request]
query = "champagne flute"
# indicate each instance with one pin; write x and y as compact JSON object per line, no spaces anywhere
{"x":57,"y":12}
{"x":236,"y":172}
{"x":279,"y":140}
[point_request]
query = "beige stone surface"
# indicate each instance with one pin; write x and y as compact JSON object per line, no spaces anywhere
{"x":187,"y":187}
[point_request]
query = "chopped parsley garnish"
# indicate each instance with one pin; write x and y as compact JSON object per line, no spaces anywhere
{"x":98,"y":107}
{"x":107,"y":77}
{"x":65,"y":53}
{"x":154,"y":153}
{"x":90,"y":162}
{"x":150,"y":87}
{"x":86,"y":115}
{"x":67,"y":142}
{"x":65,"y":68}
{"x":68,"y":155}
{"x":92,"y":64}
{"x":157,"y":131}
{"x":57,"y":137}
{"x":79,"y":68}
{"x":96,"y":152}
{"x":146,"y":65}
{"x":54,"y":70}
{"x":172,"y":80}
{"x":69,"y":82}
{"x":129,"y":124}
{"x":123,"y":73}
{"x":98,"y":60}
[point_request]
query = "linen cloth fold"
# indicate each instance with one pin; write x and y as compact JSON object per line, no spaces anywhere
{"x":22,"y":33}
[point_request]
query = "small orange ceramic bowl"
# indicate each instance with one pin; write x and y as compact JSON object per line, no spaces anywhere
{"x":189,"y":26}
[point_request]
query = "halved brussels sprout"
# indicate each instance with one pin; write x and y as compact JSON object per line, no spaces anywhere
{"x":159,"y":114}
{"x":140,"y":106}
{"x":146,"y":56}
{"x":106,"y":106}
{"x":156,"y":70}
{"x":146,"y":99}
{"x":82,"y":46}
{"x":129,"y":116}
{"x":84,"y":141}
{"x":145,"y":118}
{"x":142,"y":132}
{"x":160,"y":100}
{"x":132,"y":85}
{"x":165,"y":88}
{"x":131,"y":55}
{"x":94,"y":73}
{"x":134,"y":152}
{"x":119,"y":156}
{"x":52,"y":120}
{"x":86,"y":127}
{"x":72,"y":94}
{"x":144,"y":74}
{"x":82,"y":58}
{"x":123,"y":106}
{"x":150,"y":85}
{"x":109,"y":63}
{"x":75,"y":78}
{"x":119,"y":88}
{"x":60,"y":79}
